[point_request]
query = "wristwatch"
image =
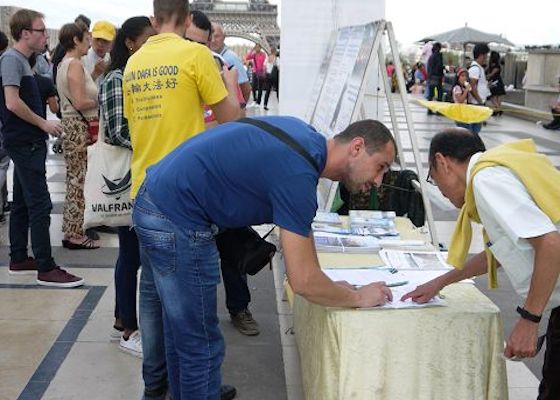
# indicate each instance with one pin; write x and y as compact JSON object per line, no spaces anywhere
{"x":528,"y":315}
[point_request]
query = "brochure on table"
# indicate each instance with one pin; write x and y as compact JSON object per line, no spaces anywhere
{"x":415,"y":260}
{"x":335,"y":243}
{"x":402,"y":282}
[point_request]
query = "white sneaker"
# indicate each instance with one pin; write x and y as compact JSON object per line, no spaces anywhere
{"x":133,"y":345}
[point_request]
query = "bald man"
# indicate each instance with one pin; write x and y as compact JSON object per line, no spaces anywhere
{"x":217,"y":45}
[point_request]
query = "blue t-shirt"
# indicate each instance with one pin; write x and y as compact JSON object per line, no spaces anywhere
{"x":15,"y":71}
{"x":237,"y":175}
{"x":232,"y":59}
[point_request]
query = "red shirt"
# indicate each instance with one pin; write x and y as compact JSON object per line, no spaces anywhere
{"x":258,"y":62}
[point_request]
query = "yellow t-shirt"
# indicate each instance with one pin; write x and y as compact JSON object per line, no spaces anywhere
{"x":165,"y":84}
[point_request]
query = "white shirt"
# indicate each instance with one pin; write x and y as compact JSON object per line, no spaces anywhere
{"x":89,"y":61}
{"x":477,"y":72}
{"x":510,"y":216}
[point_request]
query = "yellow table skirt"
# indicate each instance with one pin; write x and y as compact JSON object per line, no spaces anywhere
{"x":439,"y":353}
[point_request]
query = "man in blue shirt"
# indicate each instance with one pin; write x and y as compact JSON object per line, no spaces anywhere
{"x":218,"y":45}
{"x":24,"y":131}
{"x":237,"y":175}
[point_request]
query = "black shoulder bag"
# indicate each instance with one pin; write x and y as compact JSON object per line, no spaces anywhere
{"x":244,"y":248}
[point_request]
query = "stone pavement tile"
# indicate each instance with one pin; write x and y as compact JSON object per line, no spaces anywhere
{"x":24,"y":344}
{"x":13,"y":379}
{"x":39,"y":304}
{"x":257,"y":373}
{"x":523,"y":393}
{"x":98,"y":329}
{"x":519,"y":376}
{"x":97,"y":371}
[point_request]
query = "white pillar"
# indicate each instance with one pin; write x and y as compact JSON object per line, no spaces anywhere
{"x":307,"y":27}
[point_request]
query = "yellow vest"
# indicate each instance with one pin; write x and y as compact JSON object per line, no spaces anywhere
{"x":538,"y":175}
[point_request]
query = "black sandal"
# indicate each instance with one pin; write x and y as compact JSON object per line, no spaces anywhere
{"x":87,"y":244}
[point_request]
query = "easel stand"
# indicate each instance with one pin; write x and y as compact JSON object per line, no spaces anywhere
{"x":338,"y":98}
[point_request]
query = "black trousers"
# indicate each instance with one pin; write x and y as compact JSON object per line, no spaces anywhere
{"x":271,"y":84}
{"x":432,"y":86}
{"x":31,"y":208}
{"x":258,"y":86}
{"x":549,"y":388}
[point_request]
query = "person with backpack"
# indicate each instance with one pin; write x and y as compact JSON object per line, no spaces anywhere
{"x":477,"y":75}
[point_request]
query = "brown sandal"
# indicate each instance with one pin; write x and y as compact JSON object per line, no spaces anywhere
{"x":87,"y":244}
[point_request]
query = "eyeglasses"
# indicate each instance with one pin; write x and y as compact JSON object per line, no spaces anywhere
{"x":429,"y":178}
{"x":42,"y":31}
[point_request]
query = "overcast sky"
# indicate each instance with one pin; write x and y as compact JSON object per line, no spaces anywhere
{"x":534,"y":22}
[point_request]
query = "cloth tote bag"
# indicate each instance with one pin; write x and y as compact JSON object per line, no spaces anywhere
{"x":107,"y":184}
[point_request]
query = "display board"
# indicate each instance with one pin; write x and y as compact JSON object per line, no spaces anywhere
{"x":340,"y":78}
{"x":338,"y":96}
{"x":335,"y":94}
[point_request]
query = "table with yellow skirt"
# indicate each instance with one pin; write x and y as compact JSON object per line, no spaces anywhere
{"x":436,"y":353}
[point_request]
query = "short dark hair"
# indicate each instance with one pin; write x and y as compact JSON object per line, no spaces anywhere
{"x":436,"y":46}
{"x":3,"y":41}
{"x":201,"y":21}
{"x":70,"y":31}
{"x":22,"y":20}
{"x":479,"y":49}
{"x":84,"y":20}
{"x":165,"y":10}
{"x":494,"y":58}
{"x":375,"y":134}
{"x":131,"y":29}
{"x":457,"y":143}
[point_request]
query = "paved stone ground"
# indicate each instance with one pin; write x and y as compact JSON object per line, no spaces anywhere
{"x":40,"y":355}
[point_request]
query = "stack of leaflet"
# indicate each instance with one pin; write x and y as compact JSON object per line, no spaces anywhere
{"x":422,"y":261}
{"x":336,"y":243}
{"x":415,"y":260}
{"x":380,"y":224}
{"x":330,"y":222}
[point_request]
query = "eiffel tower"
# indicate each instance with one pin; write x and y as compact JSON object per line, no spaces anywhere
{"x":254,"y":20}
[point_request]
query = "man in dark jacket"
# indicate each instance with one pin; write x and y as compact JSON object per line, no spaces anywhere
{"x":435,"y":73}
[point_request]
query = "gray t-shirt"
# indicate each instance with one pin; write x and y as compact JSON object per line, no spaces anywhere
{"x":15,"y":71}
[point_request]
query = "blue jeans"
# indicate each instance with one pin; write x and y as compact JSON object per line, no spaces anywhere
{"x":154,"y":366}
{"x":126,"y":271}
{"x":31,"y":207}
{"x":185,"y":268}
{"x":474,"y":128}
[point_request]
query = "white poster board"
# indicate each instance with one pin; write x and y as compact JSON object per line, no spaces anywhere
{"x":341,"y":76}
{"x":336,"y":91}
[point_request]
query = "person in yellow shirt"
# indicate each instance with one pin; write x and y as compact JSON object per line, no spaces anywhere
{"x":165,"y":84}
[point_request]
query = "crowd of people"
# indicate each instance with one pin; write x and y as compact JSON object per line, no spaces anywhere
{"x":479,"y":82}
{"x":81,"y":80}
{"x":169,"y":90}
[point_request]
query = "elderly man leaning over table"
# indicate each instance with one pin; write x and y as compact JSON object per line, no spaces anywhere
{"x":514,"y":192}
